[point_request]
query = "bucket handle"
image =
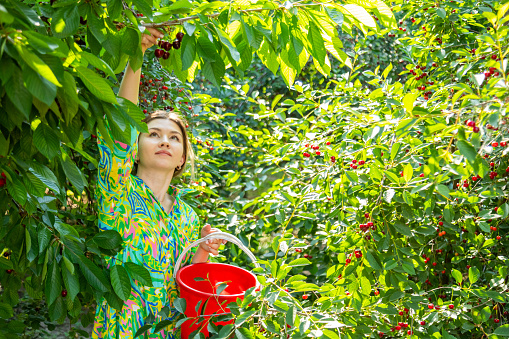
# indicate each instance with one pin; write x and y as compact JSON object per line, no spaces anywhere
{"x":215,"y":235}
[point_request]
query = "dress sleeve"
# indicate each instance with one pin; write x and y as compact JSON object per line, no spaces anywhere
{"x":115,"y":166}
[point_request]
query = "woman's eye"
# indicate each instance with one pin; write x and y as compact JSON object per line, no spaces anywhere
{"x":153,"y":134}
{"x":175,"y":137}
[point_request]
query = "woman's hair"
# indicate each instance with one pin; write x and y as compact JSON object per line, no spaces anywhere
{"x":188,"y":149}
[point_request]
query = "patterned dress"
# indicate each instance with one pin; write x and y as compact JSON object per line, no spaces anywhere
{"x":153,"y":238}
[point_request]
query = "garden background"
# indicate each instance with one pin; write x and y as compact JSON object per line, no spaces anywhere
{"x":358,"y":148}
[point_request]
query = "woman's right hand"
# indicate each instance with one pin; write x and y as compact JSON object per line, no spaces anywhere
{"x":150,"y":39}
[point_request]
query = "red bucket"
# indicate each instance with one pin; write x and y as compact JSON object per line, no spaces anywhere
{"x":193,"y":290}
{"x":238,"y":280}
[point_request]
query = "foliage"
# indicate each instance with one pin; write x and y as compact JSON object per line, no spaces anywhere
{"x":367,"y":196}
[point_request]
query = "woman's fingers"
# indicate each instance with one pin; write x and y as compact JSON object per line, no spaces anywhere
{"x":154,"y":32}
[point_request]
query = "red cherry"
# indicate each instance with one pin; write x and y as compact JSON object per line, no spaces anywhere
{"x":423,"y":323}
{"x":451,"y":306}
{"x":9,"y":271}
{"x":361,"y":162}
{"x":304,"y":297}
{"x":158,"y":53}
{"x":440,"y":223}
{"x":496,"y":321}
{"x":327,"y":143}
{"x":333,"y":158}
{"x":499,"y":237}
{"x":475,"y":129}
{"x":431,"y":306}
{"x":64,"y":293}
{"x":495,"y":144}
{"x":503,"y":143}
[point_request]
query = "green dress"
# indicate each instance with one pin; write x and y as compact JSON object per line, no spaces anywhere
{"x":152,"y":237}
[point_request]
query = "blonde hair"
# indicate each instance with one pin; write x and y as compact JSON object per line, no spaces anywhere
{"x":188,"y":149}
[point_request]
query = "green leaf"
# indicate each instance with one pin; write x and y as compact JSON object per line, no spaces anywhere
{"x":6,"y":311}
{"x":120,"y":282}
{"x":46,"y":141}
{"x":17,"y":92}
{"x":408,"y":101}
{"x":402,"y":228}
{"x":365,"y":285}
{"x":291,"y":314}
{"x":144,"y":7}
{"x":71,"y":281}
{"x":131,"y":41}
{"x":109,"y":239}
{"x":97,"y":63}
{"x":473,"y":274}
{"x":316,"y":40}
{"x":39,"y":87}
{"x":142,"y":330}
{"x":457,"y":275}
{"x":44,"y":174}
{"x":188,"y":52}
{"x":57,"y":309}
{"x":72,"y":172}
{"x":243,"y":333}
{"x":162,"y":324}
{"x":53,"y":283}
{"x":96,"y":85}
{"x":441,"y":13}
{"x":467,"y":150}
{"x":214,"y":71}
{"x":361,"y":15}
{"x":373,"y":260}
{"x":228,"y":43}
{"x":299,"y":262}
{"x":43,"y":236}
{"x":65,"y":21}
{"x":93,"y":274}
{"x":444,"y":190}
{"x":502,"y":330}
{"x":180,"y":305}
{"x":139,"y":273}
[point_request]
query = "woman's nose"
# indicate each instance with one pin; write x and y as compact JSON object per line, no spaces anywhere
{"x":164,"y":141}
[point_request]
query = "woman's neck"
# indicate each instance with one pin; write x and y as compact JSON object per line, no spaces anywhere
{"x":158,"y":182}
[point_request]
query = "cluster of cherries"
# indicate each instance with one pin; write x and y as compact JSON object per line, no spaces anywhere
{"x":492,"y":71}
{"x":166,"y":46}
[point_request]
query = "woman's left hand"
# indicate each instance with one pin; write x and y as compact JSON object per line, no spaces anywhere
{"x":212,"y":245}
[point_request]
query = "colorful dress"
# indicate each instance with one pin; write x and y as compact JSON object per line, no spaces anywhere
{"x":153,"y":238}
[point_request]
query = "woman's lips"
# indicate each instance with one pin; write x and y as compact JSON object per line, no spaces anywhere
{"x":164,"y":153}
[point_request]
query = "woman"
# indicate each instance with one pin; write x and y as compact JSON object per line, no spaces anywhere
{"x":155,"y":223}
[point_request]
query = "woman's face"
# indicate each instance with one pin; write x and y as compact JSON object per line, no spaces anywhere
{"x":162,"y":148}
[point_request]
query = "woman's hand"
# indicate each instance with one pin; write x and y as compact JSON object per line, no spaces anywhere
{"x":150,"y":39}
{"x":212,"y":245}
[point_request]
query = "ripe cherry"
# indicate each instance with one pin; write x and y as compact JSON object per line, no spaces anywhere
{"x":179,"y":36}
{"x":496,"y":321}
{"x":304,"y":297}
{"x":451,"y":306}
{"x":431,"y":306}
{"x":9,"y":271}
{"x":64,"y":293}
{"x":495,"y":144}
{"x":423,"y":323}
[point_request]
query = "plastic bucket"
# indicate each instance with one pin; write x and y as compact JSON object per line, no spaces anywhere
{"x":203,"y":291}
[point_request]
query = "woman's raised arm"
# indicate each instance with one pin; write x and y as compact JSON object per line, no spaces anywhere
{"x":129,"y":87}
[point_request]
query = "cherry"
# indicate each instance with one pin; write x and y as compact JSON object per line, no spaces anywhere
{"x":348,"y":261}
{"x":166,"y":55}
{"x":496,"y":321}
{"x":398,"y":328}
{"x":317,"y":152}
{"x":306,"y":154}
{"x":179,"y":36}
{"x":64,"y":293}
{"x":499,"y":237}
{"x":2,"y":182}
{"x":158,"y":53}
{"x":176,"y":44}
{"x":9,"y":271}
{"x":423,"y":323}
{"x":431,"y":306}
{"x":333,"y":159}
{"x":366,"y":215}
{"x":305,"y":297}
{"x":451,"y":306}
{"x":361,"y":162}
{"x":401,"y":313}
{"x":475,"y":129}
{"x":377,"y":292}
{"x":495,"y":144}
{"x":440,"y":223}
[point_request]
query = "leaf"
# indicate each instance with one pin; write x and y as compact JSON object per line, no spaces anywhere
{"x":44,"y":174}
{"x":180,"y":305}
{"x":291,"y":314}
{"x":96,"y":85}
{"x":142,"y":330}
{"x":408,"y":101}
{"x":17,"y":92}
{"x":243,"y":333}
{"x":120,"y":282}
{"x":71,"y":282}
{"x":72,"y":172}
{"x":361,"y":15}
{"x":93,"y":274}
{"x":228,"y":43}
{"x":402,"y":228}
{"x":139,"y":273}
{"x":43,"y":236}
{"x":46,"y":141}
{"x":97,"y":63}
{"x":65,"y":21}
{"x":39,"y":87}
{"x":53,"y":283}
{"x":444,"y":190}
{"x":109,"y":239}
{"x":214,"y":71}
{"x":57,"y":309}
{"x":6,"y":311}
{"x":162,"y":324}
{"x":457,"y":275}
{"x":473,"y":275}
{"x":467,"y":150}
{"x":130,"y":41}
{"x":299,"y":262}
{"x":502,"y":330}
{"x":373,"y":261}
{"x":317,"y":44}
